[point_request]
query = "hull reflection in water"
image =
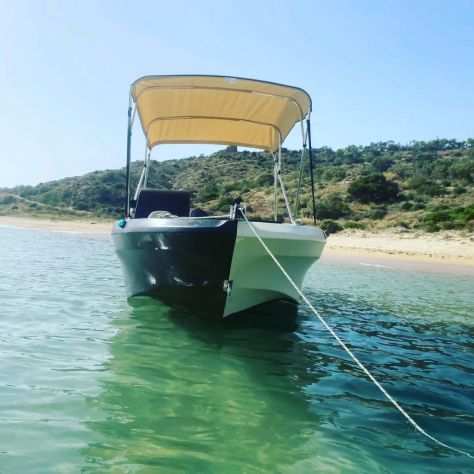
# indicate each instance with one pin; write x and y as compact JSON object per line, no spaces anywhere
{"x":181,"y":394}
{"x":186,"y":395}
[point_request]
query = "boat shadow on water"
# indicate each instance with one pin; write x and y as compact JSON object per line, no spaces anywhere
{"x":276,"y":316}
{"x":184,"y":394}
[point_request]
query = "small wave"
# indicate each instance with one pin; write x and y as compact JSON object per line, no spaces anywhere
{"x":376,"y":265}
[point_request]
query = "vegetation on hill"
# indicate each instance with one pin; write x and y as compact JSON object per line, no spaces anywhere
{"x":425,"y":185}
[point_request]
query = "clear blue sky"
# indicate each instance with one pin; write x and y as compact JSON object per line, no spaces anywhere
{"x":377,"y":70}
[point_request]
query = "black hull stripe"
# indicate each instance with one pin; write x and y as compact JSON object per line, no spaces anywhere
{"x":186,"y":267}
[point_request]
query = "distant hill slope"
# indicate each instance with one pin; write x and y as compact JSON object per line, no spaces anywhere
{"x":426,"y":185}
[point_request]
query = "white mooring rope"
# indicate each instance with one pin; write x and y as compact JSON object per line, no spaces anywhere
{"x":351,"y":354}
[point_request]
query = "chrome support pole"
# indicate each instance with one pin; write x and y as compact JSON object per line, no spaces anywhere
{"x":304,"y":137}
{"x":140,"y":183}
{"x":275,"y":188}
{"x":300,"y":180}
{"x":147,"y":165}
{"x":129,"y":145}
{"x":310,"y":150}
{"x":282,"y":185}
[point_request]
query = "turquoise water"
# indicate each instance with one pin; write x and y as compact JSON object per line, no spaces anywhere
{"x":89,"y":383}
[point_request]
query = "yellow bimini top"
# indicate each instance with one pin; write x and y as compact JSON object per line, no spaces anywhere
{"x":218,"y":110}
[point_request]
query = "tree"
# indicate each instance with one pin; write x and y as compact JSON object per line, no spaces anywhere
{"x":333,"y":173}
{"x":333,"y":207}
{"x":382,"y":164}
{"x":264,"y":179}
{"x":209,"y":191}
{"x":373,"y":188}
{"x":330,"y":227}
{"x":425,"y":186}
{"x":463,"y":170}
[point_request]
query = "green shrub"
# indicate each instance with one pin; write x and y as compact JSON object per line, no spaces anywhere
{"x":333,"y":173}
{"x":265,"y":179}
{"x":382,"y":164}
{"x":377,"y":213}
{"x":229,"y":187}
{"x":459,"y":190}
{"x":8,"y":199}
{"x":82,"y":206}
{"x":209,"y":192}
{"x":373,"y":188}
{"x":224,"y":203}
{"x":330,"y":227}
{"x":354,"y":225}
{"x":425,"y":186}
{"x":463,"y":170}
{"x":418,"y":205}
{"x":443,"y":217}
{"x":333,"y":207}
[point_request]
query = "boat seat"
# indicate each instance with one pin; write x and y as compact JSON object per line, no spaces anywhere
{"x":198,"y":213}
{"x":175,"y":202}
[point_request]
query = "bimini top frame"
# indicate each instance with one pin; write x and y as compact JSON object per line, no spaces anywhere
{"x":216,"y":110}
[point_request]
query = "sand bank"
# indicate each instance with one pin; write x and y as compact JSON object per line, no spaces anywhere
{"x":444,"y":247}
{"x":92,"y":226}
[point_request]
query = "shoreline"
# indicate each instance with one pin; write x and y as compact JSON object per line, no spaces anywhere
{"x":442,"y":252}
{"x":79,"y":226}
{"x":442,"y":248}
{"x":391,"y":261}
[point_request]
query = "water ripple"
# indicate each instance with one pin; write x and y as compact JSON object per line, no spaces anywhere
{"x":90,"y":383}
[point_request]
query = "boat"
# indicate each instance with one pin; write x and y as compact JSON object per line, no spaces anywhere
{"x":214,"y":265}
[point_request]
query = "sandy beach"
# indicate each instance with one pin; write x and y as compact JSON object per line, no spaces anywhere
{"x":82,"y":226}
{"x":445,"y":247}
{"x":444,"y":251}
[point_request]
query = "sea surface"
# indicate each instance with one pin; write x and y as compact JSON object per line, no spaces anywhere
{"x":91,"y":383}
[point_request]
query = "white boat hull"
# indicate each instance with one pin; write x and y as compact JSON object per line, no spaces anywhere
{"x":216,"y":267}
{"x":254,"y":277}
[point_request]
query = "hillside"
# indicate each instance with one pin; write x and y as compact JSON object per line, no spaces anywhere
{"x":426,"y":185}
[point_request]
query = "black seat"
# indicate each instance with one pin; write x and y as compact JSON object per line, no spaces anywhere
{"x":175,"y":202}
{"x":198,"y":212}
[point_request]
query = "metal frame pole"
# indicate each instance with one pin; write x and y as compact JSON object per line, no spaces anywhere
{"x":275,"y":188}
{"x":310,"y":150}
{"x":129,"y":146}
{"x":147,"y":165}
{"x":300,"y":177}
{"x":282,"y":185}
